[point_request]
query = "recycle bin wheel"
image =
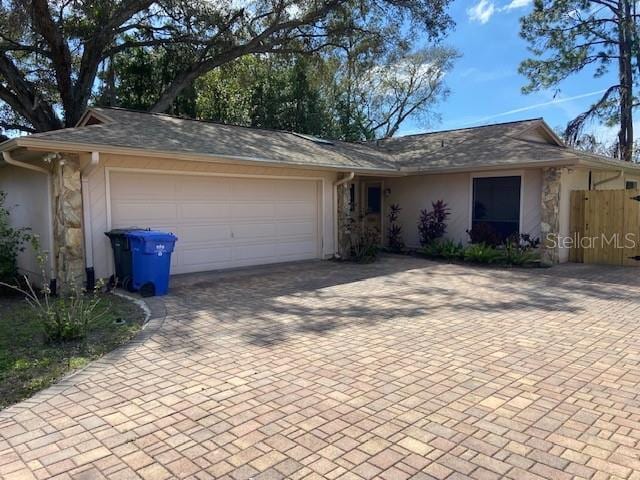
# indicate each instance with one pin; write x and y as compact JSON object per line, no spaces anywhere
{"x":148,"y":290}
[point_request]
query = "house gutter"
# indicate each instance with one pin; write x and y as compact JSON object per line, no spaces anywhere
{"x":607,"y":180}
{"x":336,"y":184}
{"x":85,"y":173}
{"x":6,"y":155}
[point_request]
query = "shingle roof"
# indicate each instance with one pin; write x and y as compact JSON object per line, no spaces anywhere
{"x":504,"y":144}
{"x":167,"y":133}
{"x":489,"y":145}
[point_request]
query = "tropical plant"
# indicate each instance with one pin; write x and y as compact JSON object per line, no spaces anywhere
{"x":62,"y":318}
{"x":482,"y":253}
{"x":12,"y":242}
{"x":394,"y":230}
{"x":447,"y":249}
{"x":432,"y":224}
{"x":520,"y":250}
{"x":482,"y":232}
{"x":365,"y":245}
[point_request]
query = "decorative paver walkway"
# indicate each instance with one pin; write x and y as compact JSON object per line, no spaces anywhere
{"x":399,"y":369}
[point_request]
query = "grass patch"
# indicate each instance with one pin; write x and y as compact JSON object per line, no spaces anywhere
{"x":29,"y":364}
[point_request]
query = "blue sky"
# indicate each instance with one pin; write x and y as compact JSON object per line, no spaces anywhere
{"x":485,"y":83}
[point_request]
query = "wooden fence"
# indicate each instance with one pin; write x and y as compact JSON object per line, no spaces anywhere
{"x":605,"y":227}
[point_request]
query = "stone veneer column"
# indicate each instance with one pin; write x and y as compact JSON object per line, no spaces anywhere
{"x":550,"y":215}
{"x":345,"y":221}
{"x":68,"y":236}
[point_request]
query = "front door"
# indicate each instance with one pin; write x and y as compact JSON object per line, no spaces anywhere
{"x":373,"y":206}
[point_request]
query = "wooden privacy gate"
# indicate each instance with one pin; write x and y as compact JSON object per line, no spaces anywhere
{"x":605,"y":227}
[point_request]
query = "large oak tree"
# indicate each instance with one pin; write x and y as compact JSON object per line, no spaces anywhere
{"x":51,"y":51}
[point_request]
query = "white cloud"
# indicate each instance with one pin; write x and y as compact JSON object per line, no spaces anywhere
{"x":482,"y":11}
{"x":517,"y":4}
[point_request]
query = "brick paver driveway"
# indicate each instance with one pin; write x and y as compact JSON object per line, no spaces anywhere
{"x":403,"y":368}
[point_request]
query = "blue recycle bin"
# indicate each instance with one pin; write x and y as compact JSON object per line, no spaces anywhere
{"x":150,"y":261}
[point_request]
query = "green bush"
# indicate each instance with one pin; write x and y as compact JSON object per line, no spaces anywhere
{"x":482,"y":253}
{"x":520,"y":250}
{"x":64,"y":318}
{"x":12,"y":241}
{"x":447,"y":249}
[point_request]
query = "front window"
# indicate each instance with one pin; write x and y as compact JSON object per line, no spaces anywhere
{"x":496,"y":205}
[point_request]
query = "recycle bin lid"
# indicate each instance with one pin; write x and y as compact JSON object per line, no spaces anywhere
{"x":154,"y":235}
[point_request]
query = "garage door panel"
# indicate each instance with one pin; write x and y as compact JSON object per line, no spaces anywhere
{"x":194,"y":257}
{"x":252,"y":210}
{"x":222,"y":222}
{"x":248,"y":231}
{"x":295,"y":210}
{"x":205,"y":233}
{"x":131,"y":186}
{"x":205,"y":211}
{"x":296,"y":229}
{"x":142,"y":214}
{"x":209,"y":188}
{"x":295,"y":250}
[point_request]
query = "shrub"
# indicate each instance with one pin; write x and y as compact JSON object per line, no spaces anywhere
{"x":364,"y":240}
{"x":482,"y":253}
{"x":62,"y":318}
{"x":432,"y":224}
{"x":484,"y":233}
{"x":12,"y":241}
{"x":519,"y":250}
{"x":394,"y":231}
{"x":447,"y":249}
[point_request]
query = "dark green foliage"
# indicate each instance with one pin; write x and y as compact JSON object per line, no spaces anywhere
{"x":482,"y":253}
{"x":520,"y":250}
{"x":394,"y":230}
{"x":446,"y":249}
{"x":432,"y":224}
{"x":484,"y":233}
{"x":12,"y":241}
{"x":365,"y":245}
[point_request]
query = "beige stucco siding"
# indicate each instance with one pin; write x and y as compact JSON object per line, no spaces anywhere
{"x":415,"y":193}
{"x":27,"y":201}
{"x":100,"y":196}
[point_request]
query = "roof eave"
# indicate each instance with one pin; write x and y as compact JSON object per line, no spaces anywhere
{"x":71,"y":147}
{"x":560,"y":162}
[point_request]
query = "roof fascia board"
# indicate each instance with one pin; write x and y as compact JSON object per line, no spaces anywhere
{"x":486,"y":167}
{"x":90,"y":112}
{"x":547,"y":129}
{"x":49,"y":145}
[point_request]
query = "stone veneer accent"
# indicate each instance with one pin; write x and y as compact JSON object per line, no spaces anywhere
{"x":345,"y":220}
{"x":68,"y":236}
{"x":550,"y":214}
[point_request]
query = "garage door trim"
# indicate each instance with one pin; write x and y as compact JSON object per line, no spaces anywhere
{"x":320,"y":200}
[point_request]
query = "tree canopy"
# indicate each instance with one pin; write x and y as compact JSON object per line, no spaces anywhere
{"x":571,"y":36}
{"x":55,"y":55}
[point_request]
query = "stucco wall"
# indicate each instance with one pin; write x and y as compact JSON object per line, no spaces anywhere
{"x":417,"y":192}
{"x":99,"y":198}
{"x":27,"y":200}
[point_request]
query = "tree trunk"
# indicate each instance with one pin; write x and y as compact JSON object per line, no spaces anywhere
{"x":625,"y":38}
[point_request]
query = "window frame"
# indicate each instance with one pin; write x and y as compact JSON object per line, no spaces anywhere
{"x":501,"y":173}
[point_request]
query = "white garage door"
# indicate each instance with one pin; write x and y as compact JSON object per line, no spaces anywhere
{"x":221,"y":222}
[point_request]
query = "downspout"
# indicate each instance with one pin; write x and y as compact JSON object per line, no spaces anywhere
{"x":85,"y":173}
{"x":16,"y":163}
{"x":607,"y":180}
{"x":336,"y":184}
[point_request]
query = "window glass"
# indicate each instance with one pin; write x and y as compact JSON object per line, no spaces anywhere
{"x":373,"y":199}
{"x":496,"y":204}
